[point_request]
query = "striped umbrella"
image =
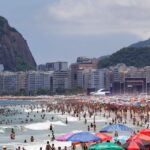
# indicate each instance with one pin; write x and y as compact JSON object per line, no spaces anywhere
{"x":83,"y":137}
{"x":64,"y":137}
{"x":116,"y":127}
{"x":104,"y":137}
{"x":132,"y":145}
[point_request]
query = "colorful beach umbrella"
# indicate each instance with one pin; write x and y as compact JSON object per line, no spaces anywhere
{"x":105,"y":146}
{"x":139,"y":136}
{"x":140,"y":141}
{"x":83,"y":137}
{"x":145,"y":131}
{"x":132,"y":145}
{"x":104,"y":137}
{"x":116,"y":127}
{"x":64,"y":137}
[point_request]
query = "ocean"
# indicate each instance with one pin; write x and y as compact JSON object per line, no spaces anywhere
{"x":18,"y":114}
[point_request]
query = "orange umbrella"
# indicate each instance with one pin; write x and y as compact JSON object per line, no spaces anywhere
{"x":104,"y":137}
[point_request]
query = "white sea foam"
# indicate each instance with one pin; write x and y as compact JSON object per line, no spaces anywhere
{"x":34,"y":110}
{"x":97,"y":120}
{"x":69,"y":118}
{"x":18,"y":127}
{"x":1,"y":131}
{"x":6,"y":127}
{"x":77,"y":131}
{"x":43,"y":125}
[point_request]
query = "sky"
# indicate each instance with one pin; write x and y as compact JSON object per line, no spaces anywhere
{"x":62,"y":30}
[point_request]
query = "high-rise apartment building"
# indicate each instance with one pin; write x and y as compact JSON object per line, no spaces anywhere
{"x":81,"y":64}
{"x":57,"y":66}
{"x":8,"y":82}
{"x":39,"y":80}
{"x":60,"y":81}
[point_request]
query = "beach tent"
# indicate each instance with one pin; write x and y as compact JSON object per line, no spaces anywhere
{"x":132,"y":145}
{"x":105,"y":146}
{"x":104,"y":137}
{"x":83,"y":137}
{"x":116,"y":127}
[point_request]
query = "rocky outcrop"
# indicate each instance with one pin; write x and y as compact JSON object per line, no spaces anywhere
{"x":14,"y":51}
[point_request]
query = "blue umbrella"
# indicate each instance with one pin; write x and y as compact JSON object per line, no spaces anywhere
{"x":83,"y":137}
{"x":116,"y":127}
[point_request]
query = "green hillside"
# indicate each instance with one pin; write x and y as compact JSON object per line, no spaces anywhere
{"x":131,"y":56}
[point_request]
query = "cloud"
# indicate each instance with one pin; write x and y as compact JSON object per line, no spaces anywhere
{"x":100,"y":17}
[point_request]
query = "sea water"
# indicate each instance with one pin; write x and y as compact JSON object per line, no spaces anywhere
{"x":39,"y":128}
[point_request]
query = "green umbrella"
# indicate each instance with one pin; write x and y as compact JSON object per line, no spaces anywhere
{"x":105,"y":146}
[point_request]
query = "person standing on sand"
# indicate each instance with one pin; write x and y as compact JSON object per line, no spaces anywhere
{"x":116,"y":134}
{"x":65,"y":148}
{"x":94,"y":127}
{"x":53,"y":147}
{"x":48,"y":146}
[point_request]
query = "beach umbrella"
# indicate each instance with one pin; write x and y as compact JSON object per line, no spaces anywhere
{"x":103,"y":136}
{"x":145,"y":131}
{"x":83,"y":137}
{"x":105,"y":146}
{"x":132,"y":145}
{"x":116,"y":127}
{"x":139,"y":136}
{"x":140,"y":139}
{"x":64,"y":137}
{"x":121,"y":139}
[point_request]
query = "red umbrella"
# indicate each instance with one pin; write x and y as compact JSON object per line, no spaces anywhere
{"x":132,"y":145}
{"x":145,"y":132}
{"x":139,"y":136}
{"x":104,"y":137}
{"x":138,"y":140}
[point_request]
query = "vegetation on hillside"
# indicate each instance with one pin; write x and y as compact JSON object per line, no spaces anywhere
{"x":138,"y":57}
{"x":22,"y":65}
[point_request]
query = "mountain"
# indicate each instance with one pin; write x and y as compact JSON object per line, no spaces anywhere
{"x":131,"y":56}
{"x":103,"y":57}
{"x":141,"y":44}
{"x":15,"y":54}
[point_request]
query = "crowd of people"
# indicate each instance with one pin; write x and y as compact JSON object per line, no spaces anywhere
{"x":81,"y":109}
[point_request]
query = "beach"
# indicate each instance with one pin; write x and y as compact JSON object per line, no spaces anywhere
{"x":66,"y":114}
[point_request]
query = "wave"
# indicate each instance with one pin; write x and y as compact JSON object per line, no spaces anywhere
{"x":69,"y":118}
{"x":1,"y":131}
{"x":43,"y":125}
{"x":34,"y":110}
{"x":77,"y":131}
{"x":97,"y":120}
{"x":17,"y":127}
